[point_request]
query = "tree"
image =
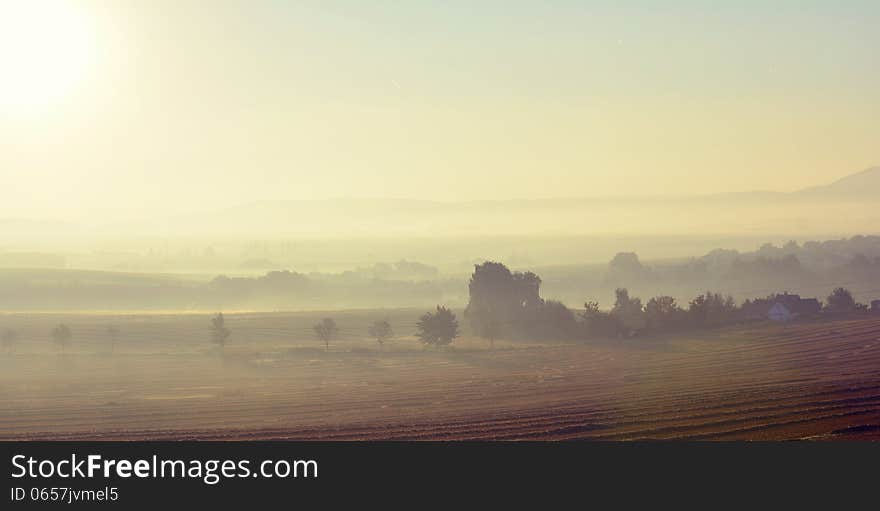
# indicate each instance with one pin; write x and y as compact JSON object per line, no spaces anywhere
{"x":381,"y":331}
{"x":438,"y":328}
{"x":9,"y":338}
{"x":554,"y":321}
{"x":598,"y":323}
{"x":501,"y":301}
{"x":711,"y":309}
{"x":219,"y":332}
{"x":113,"y":335}
{"x":591,"y":310}
{"x":841,"y":300}
{"x":628,"y":311}
{"x":326,"y":330}
{"x":626,"y":269}
{"x":662,"y":313}
{"x":62,"y":336}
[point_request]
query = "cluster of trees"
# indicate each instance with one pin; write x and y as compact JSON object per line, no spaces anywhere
{"x":505,"y":303}
{"x":841,"y":301}
{"x":61,"y":289}
{"x":826,"y":254}
{"x":660,"y":314}
{"x":401,"y":270}
{"x":508,"y":304}
{"x":852,"y":262}
{"x":404,"y":283}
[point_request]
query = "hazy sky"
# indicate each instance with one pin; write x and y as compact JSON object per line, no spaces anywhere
{"x":151,"y":106}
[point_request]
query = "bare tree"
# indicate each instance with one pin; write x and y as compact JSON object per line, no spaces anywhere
{"x":9,"y":338}
{"x":219,"y":332}
{"x":326,"y":330}
{"x":381,"y":331}
{"x":113,"y":335}
{"x":62,"y":336}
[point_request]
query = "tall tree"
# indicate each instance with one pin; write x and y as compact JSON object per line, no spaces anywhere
{"x":841,"y":300}
{"x":628,"y":311}
{"x":501,"y":301}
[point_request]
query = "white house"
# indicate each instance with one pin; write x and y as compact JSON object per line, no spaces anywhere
{"x":779,"y":312}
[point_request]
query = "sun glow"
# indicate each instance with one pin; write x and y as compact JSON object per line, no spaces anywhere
{"x":47,"y":50}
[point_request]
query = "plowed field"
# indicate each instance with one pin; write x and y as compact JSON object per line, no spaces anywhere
{"x":812,"y":380}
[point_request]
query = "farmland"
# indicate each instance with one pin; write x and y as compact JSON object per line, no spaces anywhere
{"x":163,"y":380}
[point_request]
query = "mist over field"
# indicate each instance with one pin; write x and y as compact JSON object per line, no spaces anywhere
{"x":844,"y":207}
{"x":439,"y":220}
{"x":308,"y":255}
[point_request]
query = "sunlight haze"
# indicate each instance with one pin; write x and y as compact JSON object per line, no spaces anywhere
{"x":146,"y":108}
{"x":481,"y":220}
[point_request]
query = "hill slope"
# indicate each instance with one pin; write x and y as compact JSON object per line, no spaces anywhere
{"x":864,"y":185}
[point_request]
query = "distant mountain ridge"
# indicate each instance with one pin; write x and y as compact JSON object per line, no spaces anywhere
{"x":861,"y":185}
{"x":804,"y":212}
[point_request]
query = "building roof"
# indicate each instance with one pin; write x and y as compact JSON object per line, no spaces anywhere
{"x":793,"y":303}
{"x":780,"y":312}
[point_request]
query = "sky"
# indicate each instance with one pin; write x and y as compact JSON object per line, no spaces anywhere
{"x":135,"y":108}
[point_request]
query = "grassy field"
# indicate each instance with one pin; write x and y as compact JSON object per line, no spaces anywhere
{"x":164,"y":380}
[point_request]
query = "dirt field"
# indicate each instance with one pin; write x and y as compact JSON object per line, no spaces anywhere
{"x":275,"y":381}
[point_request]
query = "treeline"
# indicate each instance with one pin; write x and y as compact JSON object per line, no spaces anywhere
{"x":41,"y":289}
{"x":807,"y":267}
{"x":288,"y":289}
{"x":508,"y":304}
